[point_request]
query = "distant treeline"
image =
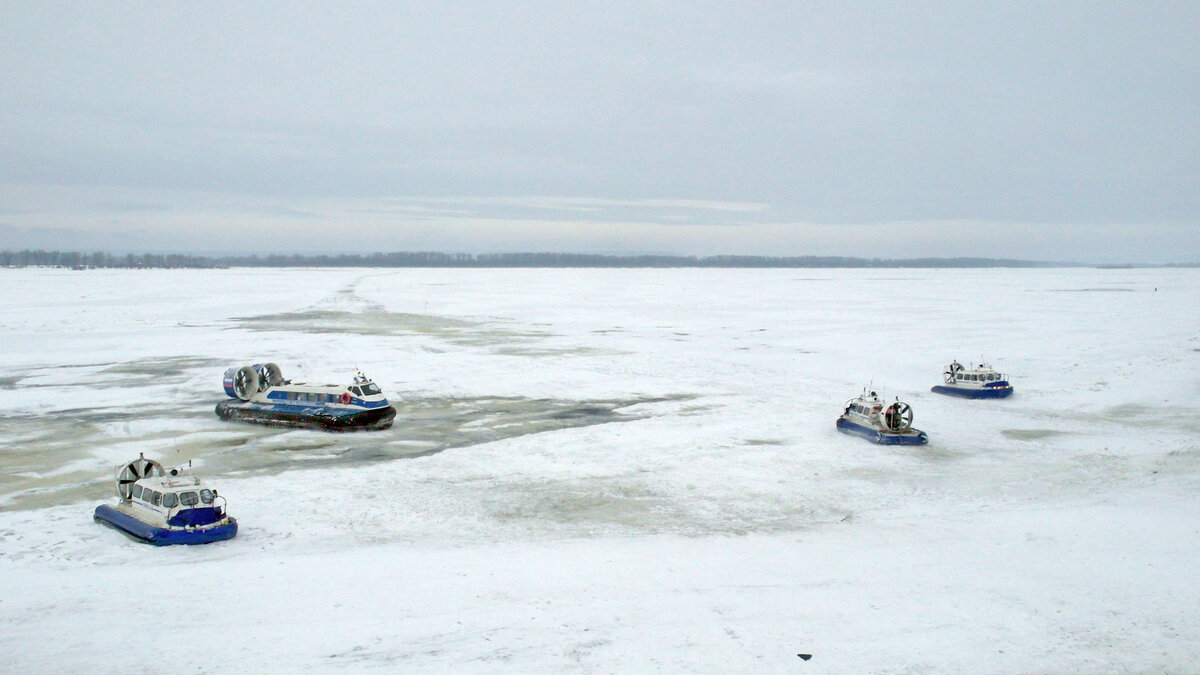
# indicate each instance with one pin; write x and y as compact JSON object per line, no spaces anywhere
{"x":102,"y":260}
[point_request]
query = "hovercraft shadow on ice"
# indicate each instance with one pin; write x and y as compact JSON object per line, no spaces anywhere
{"x":261,"y":396}
{"x":980,"y":381}
{"x":165,"y":507}
{"x":865,"y":416}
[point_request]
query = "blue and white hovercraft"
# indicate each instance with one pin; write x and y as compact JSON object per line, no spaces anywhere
{"x":980,"y":381}
{"x":866,"y":416}
{"x":261,"y":396}
{"x":166,"y":507}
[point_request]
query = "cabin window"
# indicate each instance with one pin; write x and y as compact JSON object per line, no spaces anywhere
{"x":206,"y":496}
{"x":155,"y":498}
{"x":189,"y":498}
{"x":960,"y":376}
{"x":356,"y":391}
{"x":137,"y":491}
{"x":170,"y":499}
{"x":370,"y":389}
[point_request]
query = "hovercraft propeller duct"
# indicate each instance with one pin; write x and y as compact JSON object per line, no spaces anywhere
{"x":249,"y":380}
{"x":128,"y":474}
{"x":269,"y":375}
{"x":245,"y":382}
{"x":898,"y":416}
{"x":952,"y":371}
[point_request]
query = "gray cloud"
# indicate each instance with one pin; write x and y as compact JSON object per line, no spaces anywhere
{"x":1081,"y":116}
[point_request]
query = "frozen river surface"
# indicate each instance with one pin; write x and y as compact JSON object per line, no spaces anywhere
{"x":611,"y":471}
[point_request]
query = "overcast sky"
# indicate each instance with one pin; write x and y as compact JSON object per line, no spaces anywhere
{"x":1049,"y":131}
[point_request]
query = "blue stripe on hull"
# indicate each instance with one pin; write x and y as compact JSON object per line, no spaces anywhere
{"x":281,"y":396}
{"x":307,"y":417}
{"x":963,"y":392}
{"x":875,"y":436}
{"x":162,"y":536}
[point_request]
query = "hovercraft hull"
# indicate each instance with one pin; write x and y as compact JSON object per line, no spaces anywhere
{"x":963,"y":392}
{"x":300,"y":418}
{"x":914,"y":437}
{"x":163,"y":536}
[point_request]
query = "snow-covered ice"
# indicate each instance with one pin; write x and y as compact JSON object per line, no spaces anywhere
{"x":611,"y":471}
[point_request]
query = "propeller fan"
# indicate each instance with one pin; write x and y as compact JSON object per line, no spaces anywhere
{"x":951,"y":371}
{"x":898,"y":416}
{"x":134,"y":471}
{"x":269,"y":375}
{"x":245,"y":383}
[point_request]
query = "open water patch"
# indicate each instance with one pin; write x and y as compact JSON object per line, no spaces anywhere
{"x":1030,"y":434}
{"x":369,"y":322}
{"x":491,"y":332}
{"x":424,"y":426}
{"x":171,"y":370}
{"x":46,"y":460}
{"x":67,"y":455}
{"x":432,"y":425}
{"x":159,"y":369}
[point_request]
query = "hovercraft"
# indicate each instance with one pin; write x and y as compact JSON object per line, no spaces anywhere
{"x":866,"y":416}
{"x":980,"y":381}
{"x":261,"y":396}
{"x":166,"y":507}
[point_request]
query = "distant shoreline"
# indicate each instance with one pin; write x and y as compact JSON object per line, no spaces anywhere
{"x":105,"y":260}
